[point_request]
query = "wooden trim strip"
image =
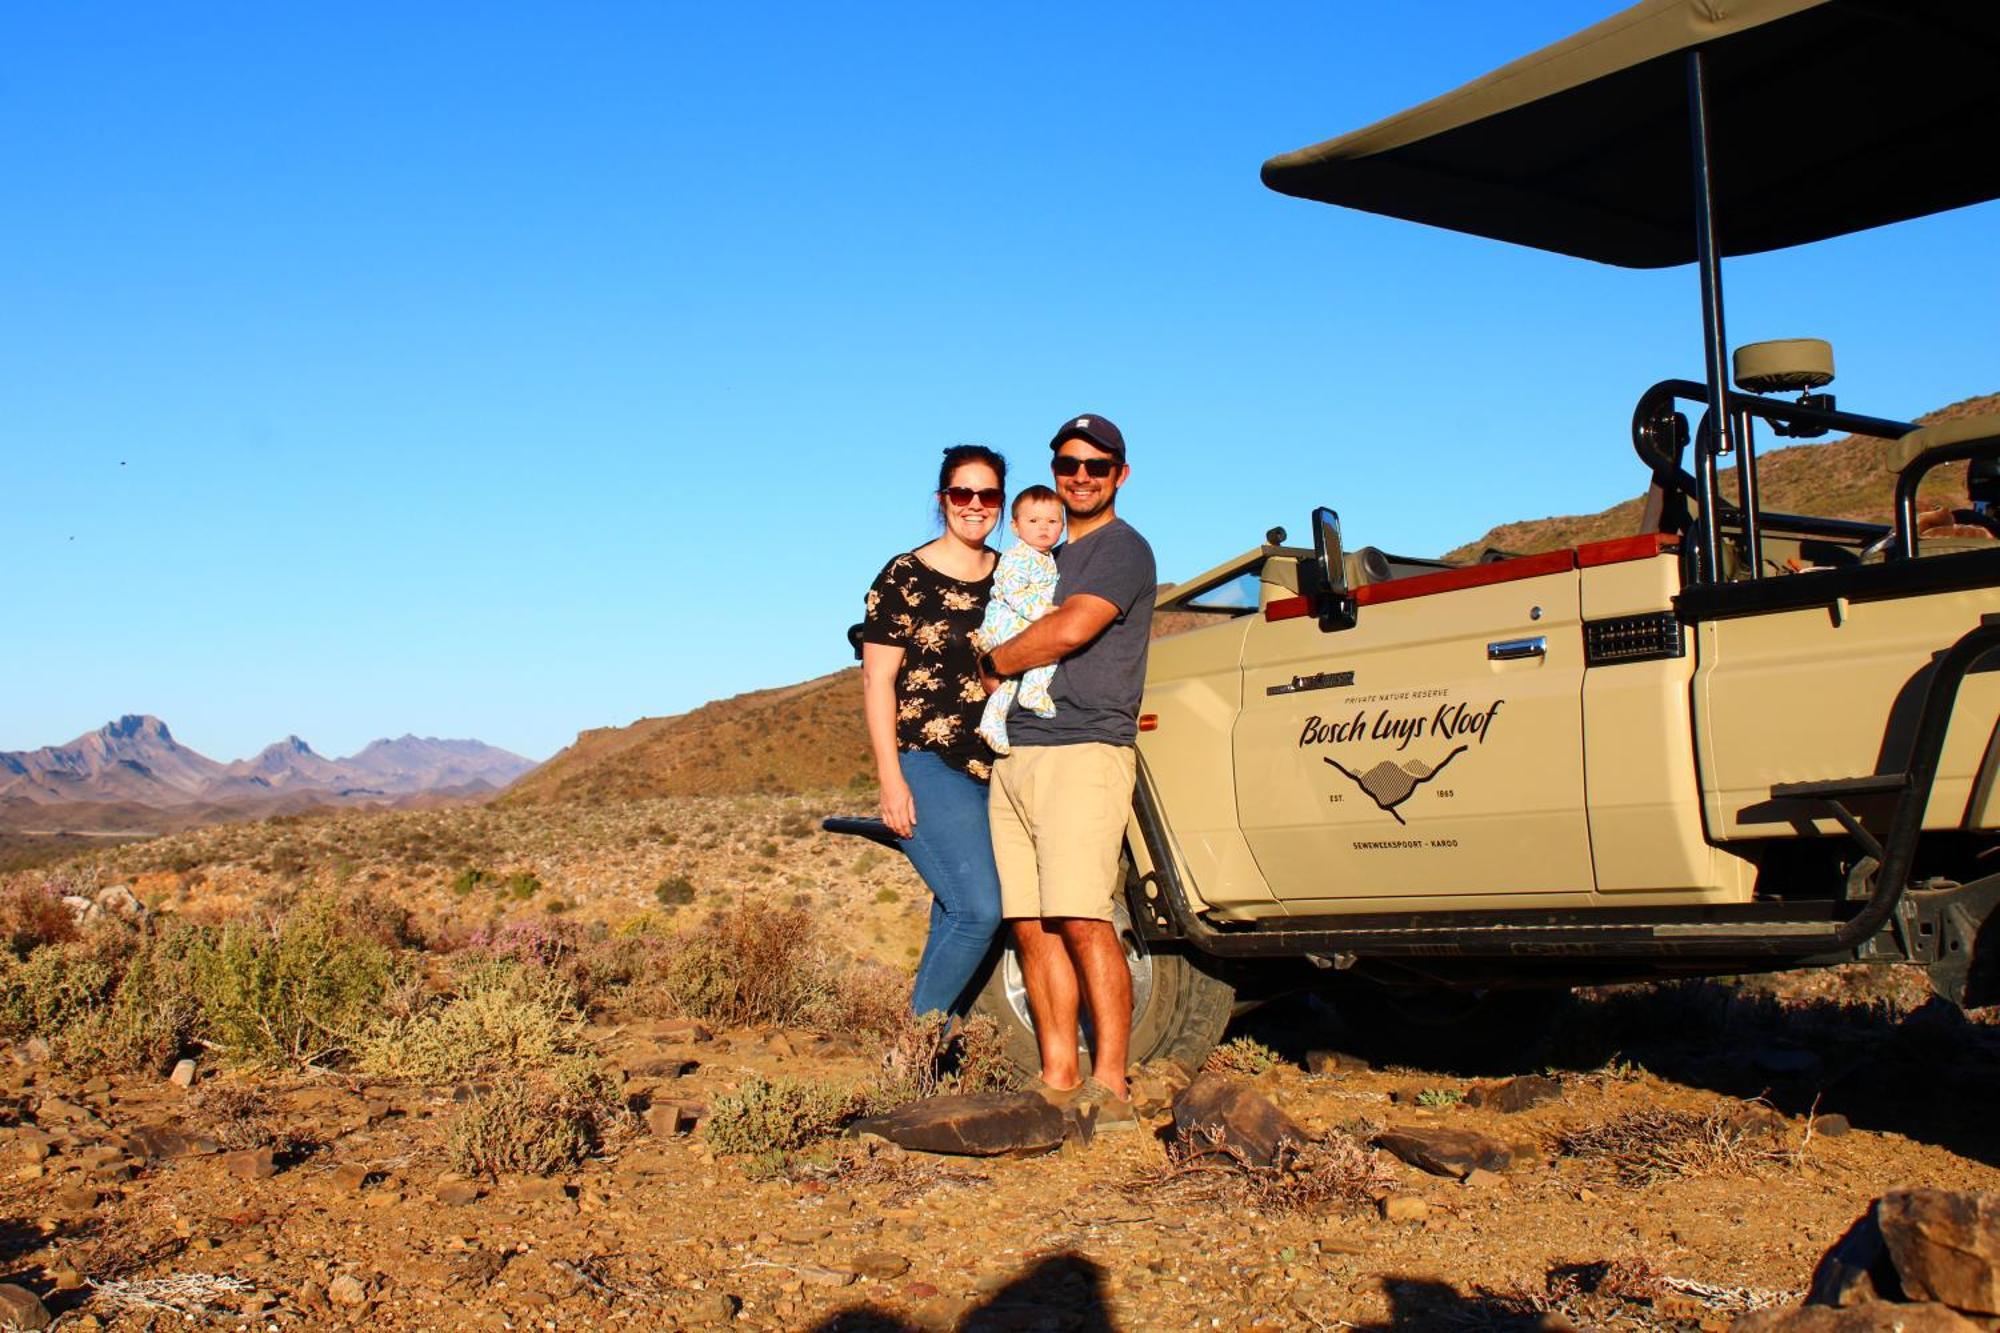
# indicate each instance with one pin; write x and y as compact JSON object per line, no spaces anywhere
{"x":1472,"y":576}
{"x":1620,"y":549}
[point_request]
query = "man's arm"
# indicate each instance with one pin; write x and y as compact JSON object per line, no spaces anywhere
{"x":1074,"y":623}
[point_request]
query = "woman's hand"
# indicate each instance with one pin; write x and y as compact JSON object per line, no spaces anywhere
{"x":899,"y":807}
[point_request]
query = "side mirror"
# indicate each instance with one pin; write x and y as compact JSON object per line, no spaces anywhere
{"x":1337,"y":608}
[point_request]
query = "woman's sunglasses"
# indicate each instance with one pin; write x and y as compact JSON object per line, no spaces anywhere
{"x":963,"y":496}
{"x":1066,"y":466}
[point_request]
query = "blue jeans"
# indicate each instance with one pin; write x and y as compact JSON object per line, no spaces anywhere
{"x":952,"y":848}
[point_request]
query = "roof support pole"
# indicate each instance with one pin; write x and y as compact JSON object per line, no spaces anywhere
{"x":1715,"y":343}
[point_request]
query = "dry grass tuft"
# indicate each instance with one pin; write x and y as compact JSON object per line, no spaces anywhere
{"x":1646,"y":1147}
{"x":925,"y":1058}
{"x":1243,"y":1055}
{"x":1337,"y":1171}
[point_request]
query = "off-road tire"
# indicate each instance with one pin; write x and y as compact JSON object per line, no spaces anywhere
{"x":1179,"y":1016}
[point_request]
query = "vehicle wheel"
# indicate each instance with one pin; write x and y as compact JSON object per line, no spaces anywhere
{"x":1179,"y":1007}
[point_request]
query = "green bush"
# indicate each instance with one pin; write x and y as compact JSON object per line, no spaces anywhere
{"x":1244,"y":1055}
{"x":504,"y":1018}
{"x":674,"y":891}
{"x":780,"y":1116}
{"x":534,"y":1125}
{"x":470,"y":878}
{"x":520,"y":886}
{"x":298,"y":992}
{"x":109,"y":1001}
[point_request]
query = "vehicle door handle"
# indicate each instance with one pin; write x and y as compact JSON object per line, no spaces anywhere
{"x":1508,"y":650}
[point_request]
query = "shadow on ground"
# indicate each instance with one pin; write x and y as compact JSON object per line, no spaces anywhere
{"x":1928,"y":1072}
{"x":1064,"y":1291}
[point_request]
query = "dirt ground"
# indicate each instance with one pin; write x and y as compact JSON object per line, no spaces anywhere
{"x":361,"y":1225}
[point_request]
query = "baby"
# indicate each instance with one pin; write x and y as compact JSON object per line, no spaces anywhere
{"x":1024,"y":590}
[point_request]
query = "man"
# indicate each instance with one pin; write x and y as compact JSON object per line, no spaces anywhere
{"x":1060,"y":798}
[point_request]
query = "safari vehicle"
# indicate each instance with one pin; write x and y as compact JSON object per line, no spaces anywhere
{"x":1735,"y":740}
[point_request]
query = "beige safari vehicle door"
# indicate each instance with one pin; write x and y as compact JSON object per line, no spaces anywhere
{"x":1431,"y":754}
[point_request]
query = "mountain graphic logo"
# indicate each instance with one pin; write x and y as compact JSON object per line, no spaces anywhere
{"x":1390,"y":784}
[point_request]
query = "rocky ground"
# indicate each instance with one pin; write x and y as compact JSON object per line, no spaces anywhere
{"x":1654,"y":1158}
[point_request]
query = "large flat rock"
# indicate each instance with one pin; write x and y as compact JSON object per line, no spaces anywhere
{"x":973,"y":1124}
{"x":1231,"y":1112}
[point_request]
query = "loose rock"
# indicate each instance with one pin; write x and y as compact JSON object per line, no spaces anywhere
{"x":21,"y":1308}
{"x":880,"y":1265}
{"x":1517,"y":1094}
{"x":1445,"y":1152}
{"x":1875,"y":1317}
{"x":457,"y":1193}
{"x":1404,"y":1208}
{"x":183,"y":1075}
{"x":1231,"y":1112}
{"x":347,"y":1290}
{"x":1945,"y":1246}
{"x":251,"y":1164}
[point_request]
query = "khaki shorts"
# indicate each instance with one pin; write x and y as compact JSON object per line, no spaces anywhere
{"x":1058,"y":814}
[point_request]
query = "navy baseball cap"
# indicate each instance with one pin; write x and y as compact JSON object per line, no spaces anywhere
{"x":1092,"y":429}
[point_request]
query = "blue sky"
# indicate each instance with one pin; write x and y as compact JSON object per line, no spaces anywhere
{"x":504,"y":370}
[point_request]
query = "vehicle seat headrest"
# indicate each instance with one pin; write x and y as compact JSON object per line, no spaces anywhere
{"x":1784,"y":365}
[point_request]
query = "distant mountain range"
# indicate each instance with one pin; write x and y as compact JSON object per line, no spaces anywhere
{"x":133,"y":766}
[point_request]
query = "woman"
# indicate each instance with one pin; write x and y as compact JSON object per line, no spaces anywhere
{"x":922,"y":698}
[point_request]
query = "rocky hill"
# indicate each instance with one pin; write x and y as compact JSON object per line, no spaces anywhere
{"x":806,"y":737}
{"x":1850,"y":477}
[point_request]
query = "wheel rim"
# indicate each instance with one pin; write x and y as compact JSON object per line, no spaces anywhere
{"x":1137,"y":958}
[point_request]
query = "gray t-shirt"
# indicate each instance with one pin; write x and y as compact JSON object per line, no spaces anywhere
{"x":1097,"y":687}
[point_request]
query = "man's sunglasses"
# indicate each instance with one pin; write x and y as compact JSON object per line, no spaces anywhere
{"x":963,"y":496}
{"x":1066,"y":466}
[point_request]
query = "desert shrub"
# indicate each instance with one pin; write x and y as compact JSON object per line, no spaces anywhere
{"x":300,"y":991}
{"x":504,"y":1017}
{"x":519,"y":886}
{"x":674,"y":891}
{"x":109,"y":1000}
{"x":535,"y":1124}
{"x":54,"y":988}
{"x":753,"y":964}
{"x":32,"y":915}
{"x":885,"y":894}
{"x":238,"y":1115}
{"x":1440,"y":1099}
{"x":797,"y":824}
{"x":768,"y":850}
{"x":925,"y":1058}
{"x":1645,"y":1147}
{"x":1243,"y":1055}
{"x":371,"y":916}
{"x":471,"y":878}
{"x":770,"y":1120}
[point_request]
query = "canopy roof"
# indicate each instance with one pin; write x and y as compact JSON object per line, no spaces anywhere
{"x":1826,"y":116}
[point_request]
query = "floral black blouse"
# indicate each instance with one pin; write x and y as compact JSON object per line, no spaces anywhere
{"x":931,"y":616}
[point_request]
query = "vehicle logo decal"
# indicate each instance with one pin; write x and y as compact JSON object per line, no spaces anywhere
{"x":1389,"y":785}
{"x":1392,"y":780}
{"x":1322,"y":680}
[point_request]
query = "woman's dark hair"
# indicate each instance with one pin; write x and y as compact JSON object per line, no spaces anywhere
{"x":958,"y":456}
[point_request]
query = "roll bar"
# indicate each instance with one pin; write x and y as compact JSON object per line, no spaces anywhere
{"x":1659,"y":436}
